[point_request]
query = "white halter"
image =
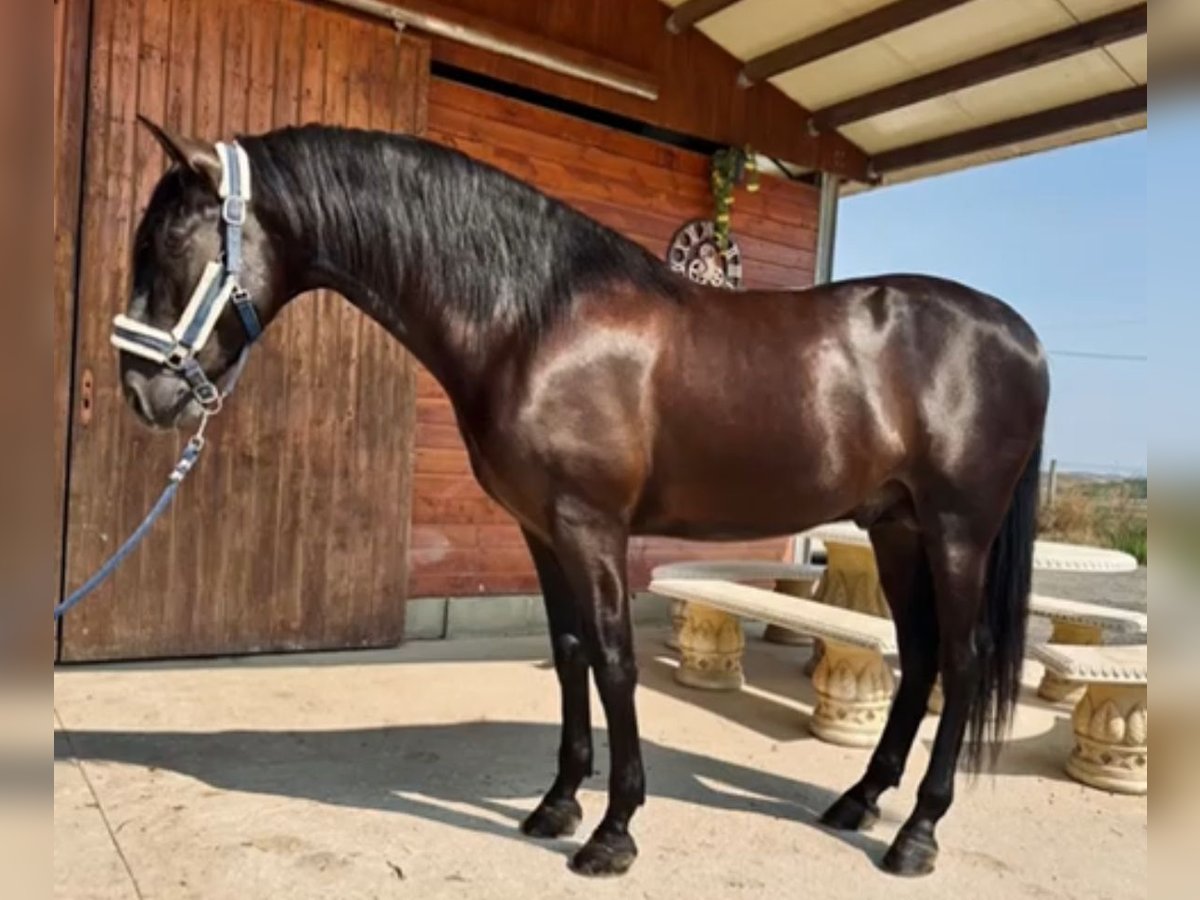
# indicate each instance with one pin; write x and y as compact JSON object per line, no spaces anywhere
{"x":218,"y":286}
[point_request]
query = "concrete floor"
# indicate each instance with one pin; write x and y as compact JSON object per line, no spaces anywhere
{"x":404,"y":773}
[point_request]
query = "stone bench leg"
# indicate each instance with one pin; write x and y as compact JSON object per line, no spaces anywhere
{"x":854,"y":690}
{"x":1053,"y":687}
{"x":1110,"y":751}
{"x":710,"y":649}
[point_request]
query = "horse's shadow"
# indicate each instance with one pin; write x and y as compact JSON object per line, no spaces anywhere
{"x":481,"y":776}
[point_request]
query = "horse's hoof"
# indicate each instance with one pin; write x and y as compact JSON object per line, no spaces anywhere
{"x":610,"y":854}
{"x":849,"y":813}
{"x":558,"y":818}
{"x":913,"y":852}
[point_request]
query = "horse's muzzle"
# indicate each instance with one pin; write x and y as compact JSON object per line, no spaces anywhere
{"x":162,"y":400}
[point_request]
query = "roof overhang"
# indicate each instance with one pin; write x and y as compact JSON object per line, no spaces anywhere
{"x":931,"y":86}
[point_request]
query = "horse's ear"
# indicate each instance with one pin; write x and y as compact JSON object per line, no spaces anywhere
{"x":199,"y":156}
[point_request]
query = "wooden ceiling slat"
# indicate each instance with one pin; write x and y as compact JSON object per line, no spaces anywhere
{"x":688,"y":14}
{"x":1029,"y":54}
{"x":1046,"y":123}
{"x":842,"y":36}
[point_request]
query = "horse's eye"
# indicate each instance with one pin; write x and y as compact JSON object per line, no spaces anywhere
{"x":175,"y":240}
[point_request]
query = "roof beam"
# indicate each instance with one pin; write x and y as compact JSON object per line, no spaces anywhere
{"x":1104,"y":108}
{"x":842,"y":36}
{"x":688,"y":13}
{"x":1027,"y":55}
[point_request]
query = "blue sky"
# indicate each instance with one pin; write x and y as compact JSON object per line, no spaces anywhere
{"x":1060,"y":236}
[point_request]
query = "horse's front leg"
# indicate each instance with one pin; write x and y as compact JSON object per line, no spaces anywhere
{"x":591,"y":548}
{"x":559,"y":812}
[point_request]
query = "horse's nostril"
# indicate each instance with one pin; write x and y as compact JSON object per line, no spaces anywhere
{"x":135,"y":392}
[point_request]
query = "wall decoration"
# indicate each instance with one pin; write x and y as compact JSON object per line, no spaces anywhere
{"x":696,"y":252}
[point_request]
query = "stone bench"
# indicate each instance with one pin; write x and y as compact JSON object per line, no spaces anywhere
{"x":795,"y":579}
{"x":853,"y":681}
{"x":1110,"y":719}
{"x":1077,"y":623}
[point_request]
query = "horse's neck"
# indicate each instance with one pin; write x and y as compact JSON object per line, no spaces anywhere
{"x":385,"y":276}
{"x":457,"y":354}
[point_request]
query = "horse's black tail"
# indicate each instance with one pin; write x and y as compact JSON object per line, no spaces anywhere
{"x":1001,"y":636}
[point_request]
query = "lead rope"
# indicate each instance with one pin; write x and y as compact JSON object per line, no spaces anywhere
{"x":191,"y":453}
{"x":177,"y":349}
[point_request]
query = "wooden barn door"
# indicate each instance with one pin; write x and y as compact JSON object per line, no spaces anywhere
{"x":292,"y":533}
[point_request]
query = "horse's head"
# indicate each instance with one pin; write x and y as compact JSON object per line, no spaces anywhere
{"x":195,"y":306}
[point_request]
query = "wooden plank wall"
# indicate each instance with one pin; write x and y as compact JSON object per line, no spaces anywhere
{"x":70,"y":67}
{"x":696,"y":79}
{"x":291,"y":533}
{"x":462,"y":543}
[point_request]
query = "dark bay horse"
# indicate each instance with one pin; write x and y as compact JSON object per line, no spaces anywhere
{"x":600,"y":396}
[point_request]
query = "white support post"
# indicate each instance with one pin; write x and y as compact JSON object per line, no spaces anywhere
{"x":827,"y":227}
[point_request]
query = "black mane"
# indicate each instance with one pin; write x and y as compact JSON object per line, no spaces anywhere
{"x":408,"y":218}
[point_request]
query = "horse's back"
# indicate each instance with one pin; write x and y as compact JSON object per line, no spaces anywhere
{"x":784,"y":408}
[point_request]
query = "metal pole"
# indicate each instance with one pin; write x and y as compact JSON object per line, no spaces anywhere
{"x":827,"y":227}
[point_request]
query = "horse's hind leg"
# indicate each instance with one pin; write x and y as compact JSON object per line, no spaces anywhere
{"x":559,"y":812}
{"x":904,"y":574}
{"x":958,"y":554}
{"x":591,"y":546}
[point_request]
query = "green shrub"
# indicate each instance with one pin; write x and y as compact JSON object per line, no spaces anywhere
{"x":1113,"y":516}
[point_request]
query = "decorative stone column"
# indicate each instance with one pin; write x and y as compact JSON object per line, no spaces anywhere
{"x":1110,"y":752}
{"x":850,"y":581}
{"x":710,"y":649}
{"x":1054,"y":687}
{"x":854,"y":688}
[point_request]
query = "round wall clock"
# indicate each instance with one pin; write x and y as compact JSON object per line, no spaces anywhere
{"x":695,"y":254}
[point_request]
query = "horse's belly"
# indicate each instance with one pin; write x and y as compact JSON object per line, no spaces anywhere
{"x":714,"y":500}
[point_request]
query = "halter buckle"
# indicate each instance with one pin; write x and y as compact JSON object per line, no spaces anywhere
{"x":208,"y":396}
{"x":233,"y":211}
{"x":177,"y":356}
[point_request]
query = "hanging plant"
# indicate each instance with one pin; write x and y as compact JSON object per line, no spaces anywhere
{"x":731,"y":166}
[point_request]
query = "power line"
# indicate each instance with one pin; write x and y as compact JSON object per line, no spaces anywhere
{"x":1088,"y":354}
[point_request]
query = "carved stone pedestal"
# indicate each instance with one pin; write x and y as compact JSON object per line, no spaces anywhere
{"x":854,"y":690}
{"x":1110,"y":750}
{"x":1053,"y":687}
{"x":710,"y":648}
{"x":851,"y":580}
